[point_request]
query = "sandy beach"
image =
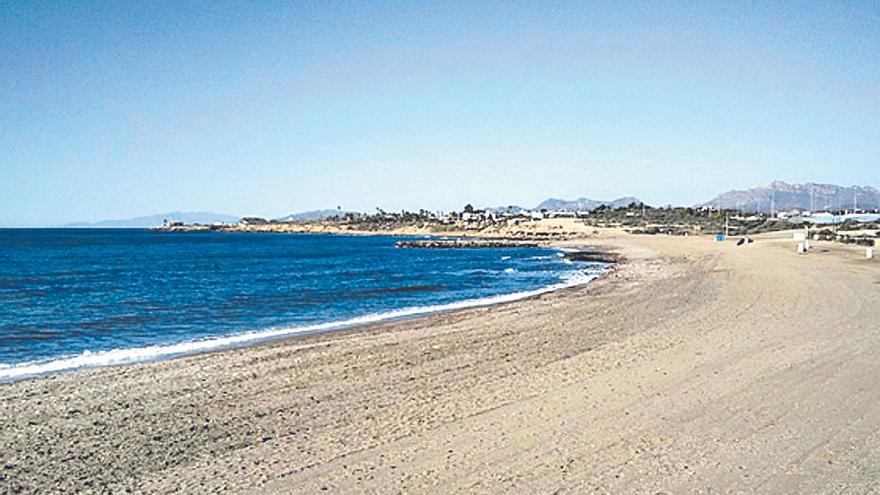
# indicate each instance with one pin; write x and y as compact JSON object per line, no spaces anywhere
{"x":693,"y":367}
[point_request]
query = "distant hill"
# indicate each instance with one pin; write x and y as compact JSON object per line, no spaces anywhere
{"x":782,"y":196}
{"x":504,"y":209}
{"x":308,"y":216}
{"x":156,"y":220}
{"x":584,"y":204}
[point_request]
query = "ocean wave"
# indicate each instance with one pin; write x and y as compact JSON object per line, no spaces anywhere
{"x":89,"y":359}
{"x":472,"y":271}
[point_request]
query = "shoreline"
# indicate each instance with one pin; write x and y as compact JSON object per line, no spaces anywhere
{"x":161,"y":352}
{"x":683,"y":370}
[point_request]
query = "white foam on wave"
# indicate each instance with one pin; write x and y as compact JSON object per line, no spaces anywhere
{"x":89,"y":359}
{"x":471,"y":271}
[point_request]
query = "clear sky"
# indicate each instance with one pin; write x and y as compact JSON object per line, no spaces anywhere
{"x":119,"y":109}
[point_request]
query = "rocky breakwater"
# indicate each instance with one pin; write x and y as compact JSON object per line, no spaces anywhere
{"x":464,"y":243}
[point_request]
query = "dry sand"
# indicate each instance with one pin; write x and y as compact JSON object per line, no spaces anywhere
{"x":694,"y":367}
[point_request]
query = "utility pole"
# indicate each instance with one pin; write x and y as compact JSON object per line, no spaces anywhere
{"x":727,"y":225}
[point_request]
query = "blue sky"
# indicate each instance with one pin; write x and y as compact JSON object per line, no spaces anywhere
{"x":119,"y":109}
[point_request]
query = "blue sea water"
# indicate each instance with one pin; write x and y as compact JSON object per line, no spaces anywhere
{"x":74,"y":298}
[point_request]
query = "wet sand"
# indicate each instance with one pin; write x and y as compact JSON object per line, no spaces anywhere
{"x":693,"y":367}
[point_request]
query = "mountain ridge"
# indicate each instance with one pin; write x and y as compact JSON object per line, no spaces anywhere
{"x":311,"y":215}
{"x":584,"y":204}
{"x":578,"y":204}
{"x":811,"y":196}
{"x":148,"y":221}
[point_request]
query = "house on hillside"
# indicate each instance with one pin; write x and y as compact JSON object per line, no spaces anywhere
{"x":469,"y":216}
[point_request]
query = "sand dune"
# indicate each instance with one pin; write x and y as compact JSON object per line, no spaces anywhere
{"x":694,"y":367}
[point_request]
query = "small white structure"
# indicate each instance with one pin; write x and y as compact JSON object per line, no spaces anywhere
{"x":470,"y":217}
{"x":801,"y":248}
{"x":869,"y":252}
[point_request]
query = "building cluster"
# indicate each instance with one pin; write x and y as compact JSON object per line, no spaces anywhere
{"x":643,"y":218}
{"x":509,"y":216}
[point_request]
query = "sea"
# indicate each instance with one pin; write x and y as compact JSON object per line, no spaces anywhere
{"x":76,"y":298}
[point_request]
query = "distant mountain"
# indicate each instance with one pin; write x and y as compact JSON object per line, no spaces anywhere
{"x":584,"y":204}
{"x":308,"y":216}
{"x":624,"y":202}
{"x":504,"y":209}
{"x":156,"y":220}
{"x":782,"y":196}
